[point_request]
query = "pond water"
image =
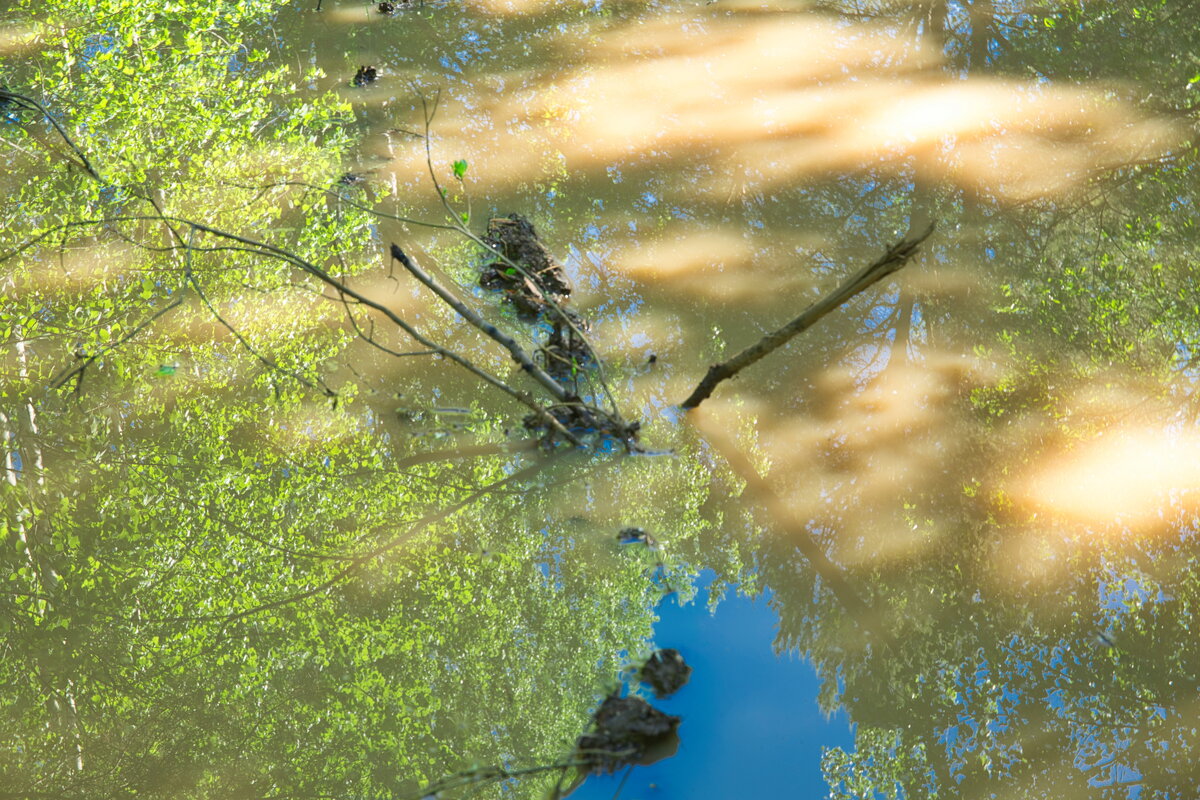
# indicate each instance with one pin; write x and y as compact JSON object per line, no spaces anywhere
{"x":259,"y":542}
{"x":751,"y":715}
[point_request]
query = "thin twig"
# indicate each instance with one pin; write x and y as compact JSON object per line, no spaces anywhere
{"x":369,"y":338}
{"x":29,"y":102}
{"x":621,"y":785}
{"x":340,"y":197}
{"x":266,"y":360}
{"x":187,"y":245}
{"x":896,"y":257}
{"x":457,"y":225}
{"x":77,"y":369}
{"x":271,"y":251}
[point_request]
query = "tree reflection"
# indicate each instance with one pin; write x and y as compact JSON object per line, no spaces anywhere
{"x":968,"y":490}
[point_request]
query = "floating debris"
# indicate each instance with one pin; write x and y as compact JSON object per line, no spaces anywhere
{"x":538,"y":288}
{"x":542,"y":281}
{"x":566,"y":353}
{"x":364,"y":76}
{"x":665,"y":671}
{"x":586,"y":420}
{"x":628,"y":731}
{"x":387,"y":8}
{"x":636,"y":536}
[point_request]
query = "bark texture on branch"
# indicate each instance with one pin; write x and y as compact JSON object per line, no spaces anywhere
{"x":507,"y":342}
{"x":896,"y":257}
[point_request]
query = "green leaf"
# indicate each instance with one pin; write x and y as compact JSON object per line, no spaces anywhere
{"x":460,"y":168}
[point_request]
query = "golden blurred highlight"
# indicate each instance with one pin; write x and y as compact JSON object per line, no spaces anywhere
{"x":853,"y":459}
{"x":1032,"y":555}
{"x":1125,"y":477}
{"x":720,"y":264}
{"x":794,"y":98}
{"x":356,"y":14}
{"x":15,"y":39}
{"x":512,"y":8}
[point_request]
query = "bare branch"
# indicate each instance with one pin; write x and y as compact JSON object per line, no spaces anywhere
{"x":340,"y":197}
{"x":29,"y":102}
{"x":369,"y":338}
{"x":505,"y":341}
{"x":896,"y":257}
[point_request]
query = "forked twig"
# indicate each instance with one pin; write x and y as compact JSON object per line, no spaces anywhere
{"x":29,"y":102}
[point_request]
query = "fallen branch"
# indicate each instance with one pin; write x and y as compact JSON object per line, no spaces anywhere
{"x":458,"y":225}
{"x":505,"y":341}
{"x":497,"y":774}
{"x":896,"y":257}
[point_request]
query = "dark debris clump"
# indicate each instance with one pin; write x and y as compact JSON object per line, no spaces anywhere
{"x":665,"y":671}
{"x":566,"y":353}
{"x":584,"y":420}
{"x":543,"y":280}
{"x":628,"y":730}
{"x":636,"y":536}
{"x":364,"y":76}
{"x":538,"y":288}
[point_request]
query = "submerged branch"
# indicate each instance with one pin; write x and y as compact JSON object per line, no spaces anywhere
{"x":896,"y":257}
{"x":496,"y":774}
{"x":505,"y":341}
{"x":458,"y":225}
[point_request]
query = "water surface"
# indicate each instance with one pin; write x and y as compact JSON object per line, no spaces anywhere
{"x":259,"y":543}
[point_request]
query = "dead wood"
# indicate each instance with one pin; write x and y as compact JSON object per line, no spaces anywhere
{"x":896,"y":257}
